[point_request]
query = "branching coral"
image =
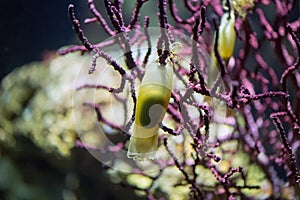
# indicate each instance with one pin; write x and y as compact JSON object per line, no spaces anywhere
{"x":227,"y":134}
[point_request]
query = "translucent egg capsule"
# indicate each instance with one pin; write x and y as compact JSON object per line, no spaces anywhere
{"x":152,"y":102}
{"x":227,"y":35}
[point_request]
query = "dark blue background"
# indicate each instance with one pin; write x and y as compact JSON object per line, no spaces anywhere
{"x":30,"y":29}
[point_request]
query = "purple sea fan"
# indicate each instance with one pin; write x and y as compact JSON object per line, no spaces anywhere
{"x":231,"y":128}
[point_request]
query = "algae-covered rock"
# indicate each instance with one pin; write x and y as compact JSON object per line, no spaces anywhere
{"x":36,"y":101}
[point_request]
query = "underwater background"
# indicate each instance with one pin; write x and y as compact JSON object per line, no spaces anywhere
{"x":38,"y":160}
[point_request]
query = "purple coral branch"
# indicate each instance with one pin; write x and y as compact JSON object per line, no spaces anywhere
{"x":85,"y":86}
{"x":90,"y":47}
{"x":136,"y":13}
{"x":71,"y":49}
{"x":213,"y":156}
{"x":109,"y":59}
{"x":112,"y":12}
{"x":146,"y":25}
{"x":118,"y":23}
{"x":206,"y":117}
{"x":134,"y":99}
{"x":118,"y":18}
{"x":181,"y":168}
{"x":171,"y":131}
{"x":292,"y":68}
{"x":100,"y":117}
{"x":225,"y":178}
{"x":269,"y":32}
{"x":287,"y":147}
{"x":78,"y":30}
{"x":109,"y":89}
{"x":246,"y":98}
{"x":83,"y":49}
{"x":194,"y":65}
{"x":99,"y":18}
{"x":174,"y":12}
{"x":163,"y":51}
{"x":191,"y":7}
{"x":220,"y":61}
{"x":267,"y":68}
